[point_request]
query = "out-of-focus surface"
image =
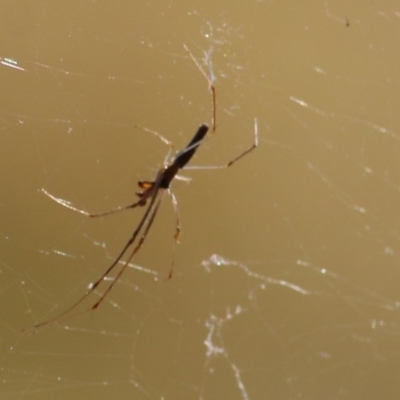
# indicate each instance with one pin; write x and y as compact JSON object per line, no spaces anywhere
{"x":286,"y":283}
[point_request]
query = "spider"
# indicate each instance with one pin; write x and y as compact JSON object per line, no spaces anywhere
{"x":149,"y":195}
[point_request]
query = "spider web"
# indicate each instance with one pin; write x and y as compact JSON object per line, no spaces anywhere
{"x":286,"y":277}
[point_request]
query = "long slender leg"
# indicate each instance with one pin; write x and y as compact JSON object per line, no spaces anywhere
{"x":155,"y":133}
{"x":67,"y":204}
{"x":177,"y":231}
{"x":128,"y":244}
{"x":210,"y":86}
{"x":233,"y":161}
{"x":134,"y":251}
{"x":161,"y":137}
{"x":250,"y":149}
{"x":94,"y":285}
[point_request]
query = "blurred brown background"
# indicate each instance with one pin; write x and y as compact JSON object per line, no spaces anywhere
{"x":287,"y":275}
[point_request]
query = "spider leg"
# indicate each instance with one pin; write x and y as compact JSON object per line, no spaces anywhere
{"x":177,"y":231}
{"x":155,"y":133}
{"x":134,"y":251}
{"x":237,"y":158}
{"x":93,"y":286}
{"x":250,"y":149}
{"x":161,"y":137}
{"x":210,"y":86}
{"x":126,"y":247}
{"x":68,"y":205}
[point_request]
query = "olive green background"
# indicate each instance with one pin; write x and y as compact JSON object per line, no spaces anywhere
{"x":286,"y":283}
